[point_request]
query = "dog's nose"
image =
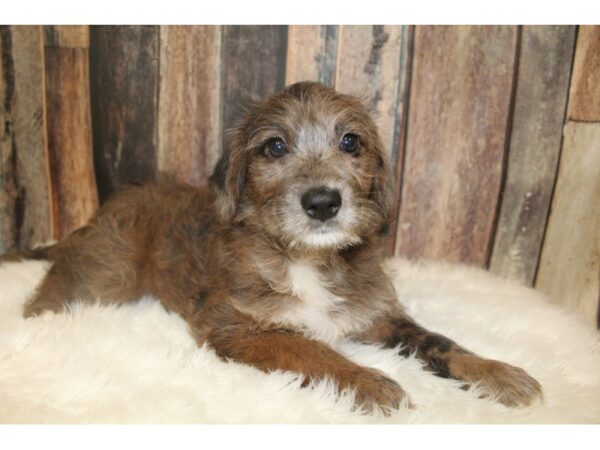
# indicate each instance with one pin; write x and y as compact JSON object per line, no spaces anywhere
{"x":321,"y":203}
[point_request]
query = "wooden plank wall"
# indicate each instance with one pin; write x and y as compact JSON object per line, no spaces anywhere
{"x":472,"y":118}
{"x":189,"y":110}
{"x":544,"y":68}
{"x":569,"y":270}
{"x":460,"y":106}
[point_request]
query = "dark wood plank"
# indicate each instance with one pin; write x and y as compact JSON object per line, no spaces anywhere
{"x":311,"y":53}
{"x":124,"y":91}
{"x":458,"y":116}
{"x":69,"y":132}
{"x":569,"y":271}
{"x":8,"y":182}
{"x":189,"y":119}
{"x":253,"y":66}
{"x":25,"y":204}
{"x":542,"y":85}
{"x":584,"y":98}
{"x":374,"y":63}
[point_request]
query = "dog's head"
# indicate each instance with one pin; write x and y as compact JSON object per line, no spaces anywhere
{"x":307,"y":167}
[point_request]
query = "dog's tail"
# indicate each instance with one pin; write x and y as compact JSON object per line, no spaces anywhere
{"x":37,"y":253}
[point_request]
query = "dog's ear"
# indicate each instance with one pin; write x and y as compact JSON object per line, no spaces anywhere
{"x":229,"y":176}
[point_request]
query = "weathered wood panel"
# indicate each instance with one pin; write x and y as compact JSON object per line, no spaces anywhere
{"x":124,"y":91}
{"x":569,"y":270}
{"x":542,"y":85}
{"x":311,"y":53}
{"x":67,"y":36}
{"x":25,"y":204}
{"x":189,"y":126}
{"x":374,"y":63}
{"x":8,"y":184}
{"x":69,"y":130}
{"x":458,"y":116}
{"x":253,"y":66}
{"x":584,"y":98}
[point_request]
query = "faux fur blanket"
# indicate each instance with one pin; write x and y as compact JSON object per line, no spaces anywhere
{"x":137,"y":364}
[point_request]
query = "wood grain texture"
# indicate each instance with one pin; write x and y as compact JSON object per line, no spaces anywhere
{"x":124,"y":91}
{"x":584,"y":98}
{"x":253,"y":66}
{"x":569,"y":270}
{"x":189,"y":113}
{"x":8,"y":182}
{"x":70,"y":138}
{"x":67,"y":36}
{"x":25,"y":204}
{"x":458,"y":116}
{"x":374,"y":63}
{"x":542,"y":85}
{"x":311,"y":53}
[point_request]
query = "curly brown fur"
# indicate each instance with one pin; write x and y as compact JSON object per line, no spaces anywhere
{"x":248,"y":263}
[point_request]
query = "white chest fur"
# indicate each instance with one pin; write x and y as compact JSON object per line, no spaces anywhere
{"x":318,"y":312}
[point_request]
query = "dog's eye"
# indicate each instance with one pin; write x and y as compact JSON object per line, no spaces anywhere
{"x":276,"y":148}
{"x":349,"y":143}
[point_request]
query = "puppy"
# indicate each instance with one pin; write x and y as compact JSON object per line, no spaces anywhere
{"x":278,"y":258}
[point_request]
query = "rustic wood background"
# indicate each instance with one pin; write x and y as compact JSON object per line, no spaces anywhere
{"x":493,"y":131}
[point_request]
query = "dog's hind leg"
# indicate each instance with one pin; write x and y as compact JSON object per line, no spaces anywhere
{"x":57,"y":289}
{"x":89,"y":265}
{"x":84,"y":282}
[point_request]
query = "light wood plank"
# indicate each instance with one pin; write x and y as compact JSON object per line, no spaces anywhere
{"x":542,"y":86}
{"x":371,"y":65}
{"x":311,"y":53}
{"x":374,"y":63}
{"x":189,"y":126}
{"x":70,"y":137}
{"x":569,"y":270}
{"x":458,"y":115}
{"x":584,"y":98}
{"x":67,"y":36}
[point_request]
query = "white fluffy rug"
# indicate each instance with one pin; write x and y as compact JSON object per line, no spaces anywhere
{"x":138,"y":364}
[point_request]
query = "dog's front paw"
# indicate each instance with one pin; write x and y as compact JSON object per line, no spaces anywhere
{"x":376,"y":391}
{"x":509,"y":385}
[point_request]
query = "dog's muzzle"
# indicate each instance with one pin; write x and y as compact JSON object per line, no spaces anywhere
{"x":321,"y":203}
